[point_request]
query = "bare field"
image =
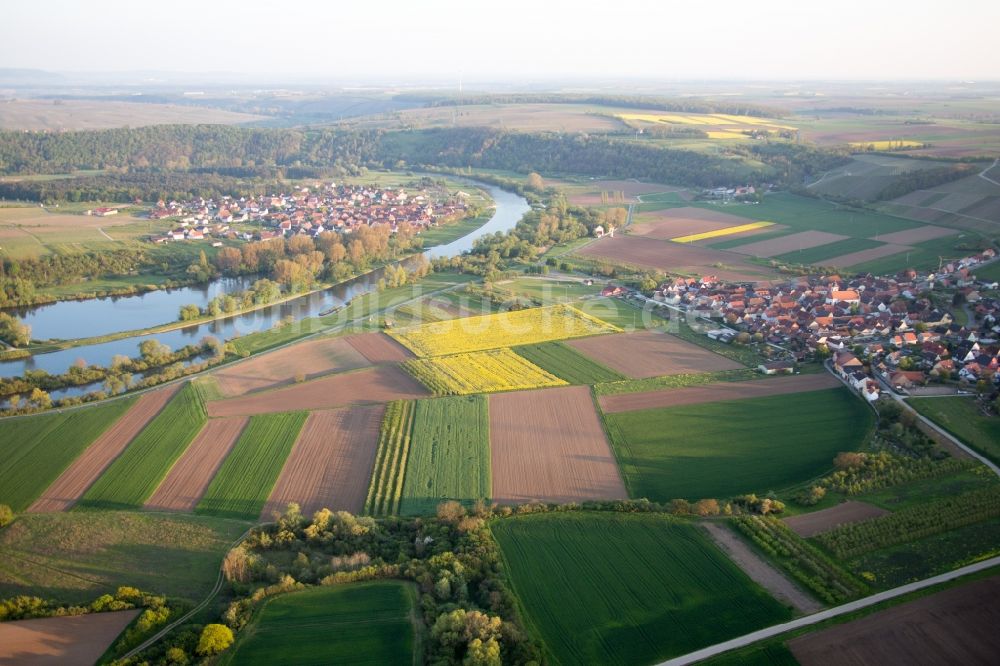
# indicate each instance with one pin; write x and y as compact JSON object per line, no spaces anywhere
{"x":910,"y":236}
{"x":381,"y":384}
{"x":77,"y":640}
{"x":676,"y":258}
{"x":78,"y":477}
{"x":37,"y":114}
{"x":549,"y":445}
{"x":379,"y":348}
{"x":306,"y":360}
{"x":862,"y":256}
{"x":189,"y":478}
{"x":673,"y":222}
{"x":591,"y":196}
{"x":331,"y":463}
{"x":651,"y":354}
{"x":817,"y":522}
{"x":955,"y":626}
{"x":800,"y":241}
{"x":719,"y":391}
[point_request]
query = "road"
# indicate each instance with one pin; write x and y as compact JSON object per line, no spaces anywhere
{"x":982,"y":174}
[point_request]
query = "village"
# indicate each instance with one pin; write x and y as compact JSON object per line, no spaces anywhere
{"x":310,"y":211}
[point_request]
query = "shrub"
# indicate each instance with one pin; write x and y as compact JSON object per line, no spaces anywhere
{"x":214,"y":639}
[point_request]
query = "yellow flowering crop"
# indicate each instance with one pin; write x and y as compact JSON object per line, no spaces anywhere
{"x":480,"y":372}
{"x":728,"y":231}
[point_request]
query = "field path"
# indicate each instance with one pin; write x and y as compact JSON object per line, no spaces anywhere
{"x":760,"y":571}
{"x":78,"y":477}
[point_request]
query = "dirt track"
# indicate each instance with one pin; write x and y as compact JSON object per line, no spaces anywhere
{"x":189,"y":478}
{"x":379,"y":348}
{"x":380,"y":384}
{"x":331,"y":463}
{"x":817,"y":522}
{"x":685,"y":259}
{"x":651,"y":354}
{"x":78,"y":477}
{"x":716,"y":392}
{"x":77,"y":640}
{"x":800,"y":241}
{"x":306,"y":360}
{"x":956,"y":626}
{"x":549,"y":445}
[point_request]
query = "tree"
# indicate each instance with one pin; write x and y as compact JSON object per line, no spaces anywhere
{"x":229,"y":260}
{"x":214,"y":639}
{"x":535,"y":182}
{"x":189,"y":312}
{"x":14,"y":331}
{"x":6,"y":515}
{"x":707,"y":507}
{"x":41,"y":399}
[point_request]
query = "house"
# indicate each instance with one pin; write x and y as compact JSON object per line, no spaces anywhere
{"x":612,"y":290}
{"x":598,"y":231}
{"x":847,"y":363}
{"x":777,"y":367}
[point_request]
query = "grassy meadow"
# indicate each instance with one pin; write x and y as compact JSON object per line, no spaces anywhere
{"x":960,"y":417}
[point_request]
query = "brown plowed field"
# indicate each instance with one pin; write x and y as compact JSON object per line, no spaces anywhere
{"x":77,"y":640}
{"x":549,"y":445}
{"x":817,"y":522}
{"x":800,"y":241}
{"x":681,"y":258}
{"x":307,"y":360}
{"x":190,"y":476}
{"x":651,"y":354}
{"x":910,"y":236}
{"x":673,"y":222}
{"x":716,"y":392}
{"x":956,"y":626}
{"x":874,"y":253}
{"x":331,"y":463}
{"x":78,"y":477}
{"x":379,"y":348}
{"x":381,"y":384}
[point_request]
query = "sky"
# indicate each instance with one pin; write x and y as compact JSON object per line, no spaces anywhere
{"x":510,"y":40}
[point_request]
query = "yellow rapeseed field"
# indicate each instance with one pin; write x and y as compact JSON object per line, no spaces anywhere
{"x":728,"y":231}
{"x":716,"y":125}
{"x":890,"y":144}
{"x":480,"y":372}
{"x":504,"y":329}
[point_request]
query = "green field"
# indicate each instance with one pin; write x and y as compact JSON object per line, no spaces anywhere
{"x":821,"y":253}
{"x":134,"y":475}
{"x":960,"y":417}
{"x":386,"y":488}
{"x":248,"y":474}
{"x":627,"y":589}
{"x":35,"y":450}
{"x":359,"y":623}
{"x":567,"y":364}
{"x":449,"y":454}
{"x":79,"y":555}
{"x":991,"y":272}
{"x":720,"y":449}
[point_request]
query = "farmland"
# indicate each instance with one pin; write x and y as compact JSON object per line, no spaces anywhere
{"x":592,"y":601}
{"x":248,"y":474}
{"x":363,"y":623}
{"x":136,"y":473}
{"x":567,"y":364}
{"x":719,"y":449}
{"x":505,"y":329}
{"x":650,"y":354}
{"x":395,"y":436}
{"x":720,"y":233}
{"x":305,"y":360}
{"x":960,"y":417}
{"x":480,"y":372}
{"x":68,"y":640}
{"x":449,"y":457}
{"x":35,"y":451}
{"x":670,"y":223}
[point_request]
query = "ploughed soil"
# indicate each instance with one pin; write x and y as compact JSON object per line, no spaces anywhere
{"x":817,"y":522}
{"x":331,"y":464}
{"x":549,"y":445}
{"x":79,"y":476}
{"x":674,"y":222}
{"x":379,"y":348}
{"x":305,"y":360}
{"x":800,"y":241}
{"x":918,"y":235}
{"x":862,"y":256}
{"x":77,"y":640}
{"x":716,"y":392}
{"x":651,"y":354}
{"x":379,"y":384}
{"x":955,"y":626}
{"x":187,"y":481}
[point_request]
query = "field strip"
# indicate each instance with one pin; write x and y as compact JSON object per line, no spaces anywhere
{"x":810,"y":524}
{"x":189,"y":478}
{"x":85,"y":470}
{"x":920,"y":234}
{"x":715,"y":392}
{"x":759,"y":570}
{"x":70,"y":639}
{"x":718,"y":233}
{"x":802,"y":240}
{"x":862,"y":256}
{"x":822,"y":616}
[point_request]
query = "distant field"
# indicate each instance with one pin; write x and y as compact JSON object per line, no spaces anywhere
{"x":78,"y":556}
{"x":960,"y":417}
{"x":356,"y":623}
{"x":865,"y":176}
{"x":720,"y":449}
{"x":567,"y":364}
{"x":449,"y":457}
{"x":822,"y":253}
{"x":30,"y":231}
{"x":248,"y":474}
{"x":39,"y":114}
{"x":594,"y":601}
{"x":36,"y":450}
{"x":480,"y":372}
{"x":523,"y":117}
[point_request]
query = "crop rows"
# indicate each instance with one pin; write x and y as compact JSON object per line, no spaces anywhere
{"x":480,"y":372}
{"x":804,"y":562}
{"x":136,"y":473}
{"x":504,"y":329}
{"x":390,"y":460}
{"x":917,"y":522}
{"x":567,"y":364}
{"x":248,"y":474}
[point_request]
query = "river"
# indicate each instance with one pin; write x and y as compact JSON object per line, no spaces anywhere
{"x":75,"y":319}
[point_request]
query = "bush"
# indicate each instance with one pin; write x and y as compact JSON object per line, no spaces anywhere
{"x":214,"y":639}
{"x":6,"y":515}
